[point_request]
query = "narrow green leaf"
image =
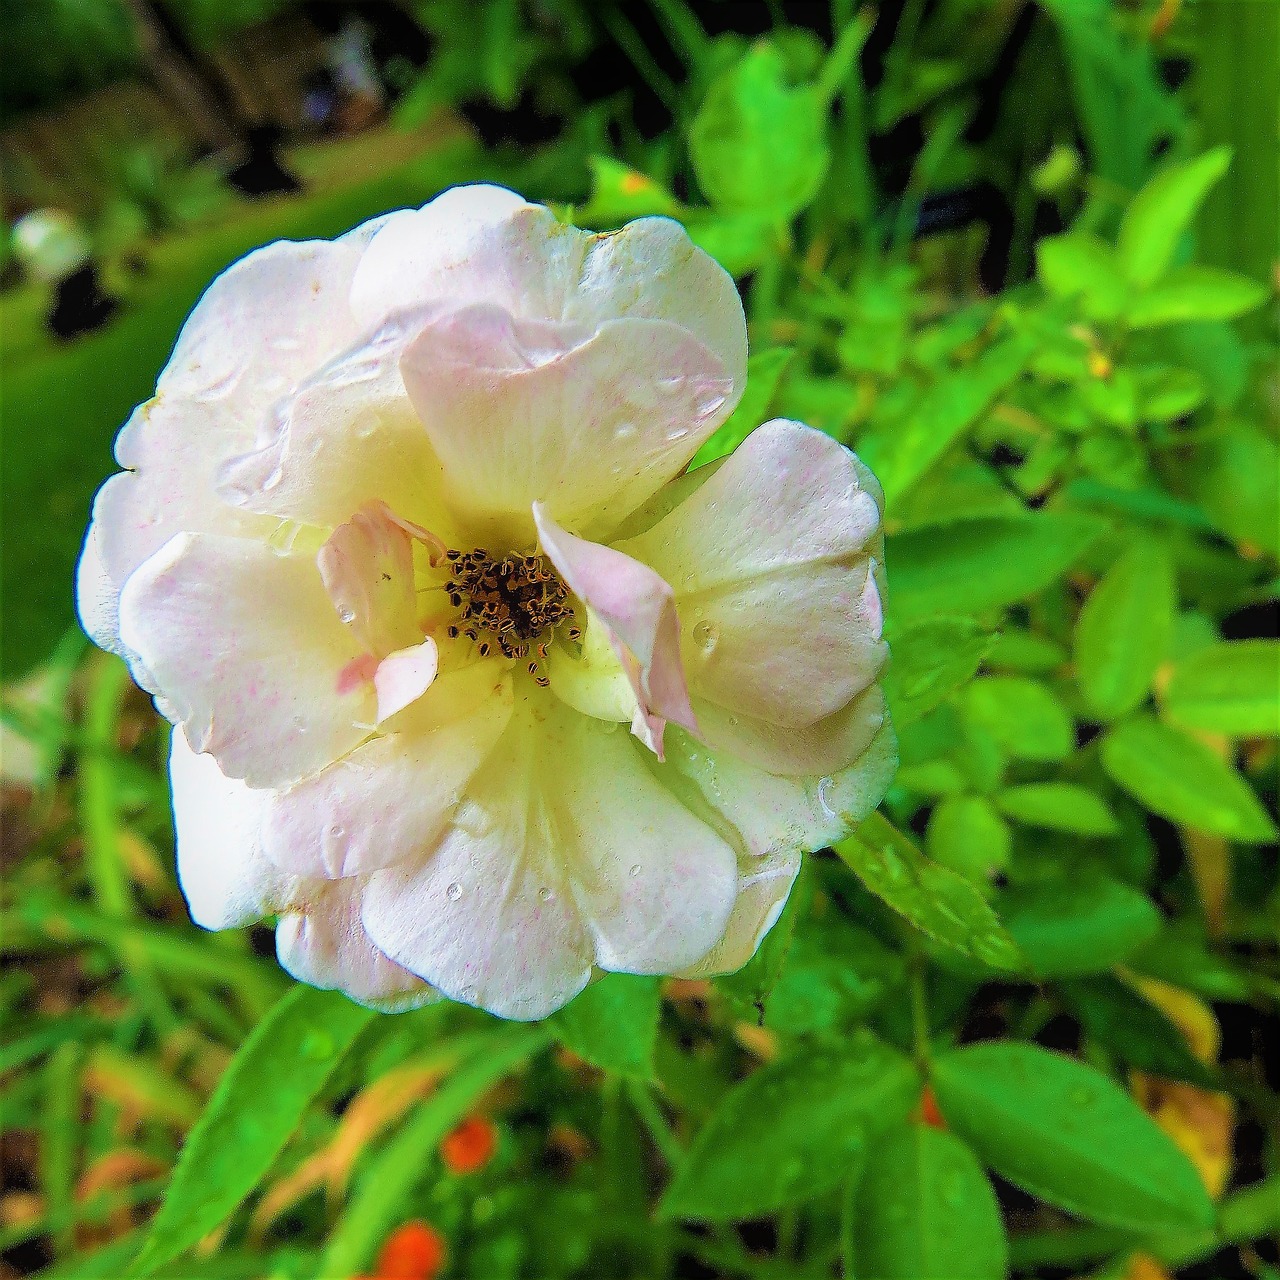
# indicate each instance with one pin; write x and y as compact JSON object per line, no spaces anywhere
{"x":925,"y":1211}
{"x":764,"y":373}
{"x":1231,"y":688}
{"x":259,"y":1102}
{"x":929,"y":661}
{"x":1123,"y":631}
{"x":1162,"y":212}
{"x":1083,"y":923}
{"x":1195,"y":293}
{"x":983,"y":564}
{"x":791,"y":1131}
{"x":382,"y":1201}
{"x":1181,"y":779}
{"x":1067,"y":1134}
{"x":613,"y":1024}
{"x":899,"y":456}
{"x":1058,"y":806}
{"x":1023,"y":716}
{"x":937,"y":901}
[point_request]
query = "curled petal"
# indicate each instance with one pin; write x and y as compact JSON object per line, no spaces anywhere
{"x":249,"y":654}
{"x":404,"y":676}
{"x":590,"y":422}
{"x":638,"y":612}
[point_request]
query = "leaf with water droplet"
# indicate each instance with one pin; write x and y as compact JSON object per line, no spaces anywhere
{"x":925,"y":1210}
{"x":935,"y":900}
{"x":810,"y":1113}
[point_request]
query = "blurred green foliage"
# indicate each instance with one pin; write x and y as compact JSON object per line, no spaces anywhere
{"x":1020,"y":256}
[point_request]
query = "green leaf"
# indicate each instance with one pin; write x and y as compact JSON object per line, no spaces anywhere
{"x":938,"y":902}
{"x":1123,"y":631}
{"x":1082,"y":923}
{"x":977,"y":565}
{"x":905,"y":450}
{"x":1231,"y":688}
{"x":764,"y":373}
{"x":1181,"y":779}
{"x":619,"y":193}
{"x":613,"y":1024}
{"x":383,"y":1198}
{"x":925,"y":1211}
{"x":1059,"y":806}
{"x":1067,"y":1134}
{"x":1162,"y":212}
{"x":791,"y":1131}
{"x":260,"y":1100}
{"x":758,"y":145}
{"x":929,"y":661}
{"x":1195,"y":293}
{"x":1022,"y":716}
{"x":1235,"y":477}
{"x":966,"y":834}
{"x":1078,"y":264}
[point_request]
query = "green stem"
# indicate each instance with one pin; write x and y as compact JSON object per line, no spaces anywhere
{"x":654,"y":1121}
{"x":109,"y":679}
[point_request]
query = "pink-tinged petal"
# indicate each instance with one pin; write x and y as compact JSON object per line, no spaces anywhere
{"x":246,"y":650}
{"x":771,"y":562}
{"x":774,"y":813}
{"x":264,"y":324}
{"x":638,"y":612}
{"x":404,"y":676}
{"x":565,"y":854}
{"x":367,"y":569}
{"x":588,"y":422}
{"x":827,"y":746}
{"x":484,"y":244}
{"x":389,"y":800}
{"x":323,"y":943}
{"x":347,"y":434}
{"x":225,"y":876}
{"x":764,"y":885}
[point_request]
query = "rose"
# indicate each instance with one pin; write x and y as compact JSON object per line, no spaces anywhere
{"x":406,"y":542}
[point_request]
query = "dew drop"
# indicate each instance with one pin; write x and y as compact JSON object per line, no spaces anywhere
{"x":336,"y":832}
{"x":299,"y":724}
{"x":624,"y":431}
{"x":634,"y":869}
{"x":545,"y":894}
{"x":453,"y":892}
{"x":347,"y":614}
{"x":824,"y":787}
{"x":706,"y":636}
{"x":678,"y":434}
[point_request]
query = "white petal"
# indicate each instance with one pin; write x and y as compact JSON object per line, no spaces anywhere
{"x":389,"y":800}
{"x":588,"y":422}
{"x":325,"y":945}
{"x":565,"y":853}
{"x":404,"y":676}
{"x":638,"y":612}
{"x":248,"y":653}
{"x":226,"y":878}
{"x":484,"y":244}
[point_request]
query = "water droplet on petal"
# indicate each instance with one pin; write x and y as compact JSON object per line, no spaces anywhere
{"x":624,"y":431}
{"x":678,"y":434}
{"x":634,"y":869}
{"x":453,"y":892}
{"x":706,"y":635}
{"x":347,"y":614}
{"x":824,"y":787}
{"x":545,"y":894}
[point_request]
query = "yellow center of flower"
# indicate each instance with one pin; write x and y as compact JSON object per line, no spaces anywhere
{"x":509,"y":606}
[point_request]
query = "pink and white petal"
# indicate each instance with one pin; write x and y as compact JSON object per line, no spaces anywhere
{"x":651,"y":269}
{"x":404,"y":676}
{"x":245,"y":648}
{"x":637,"y":609}
{"x":774,"y":813}
{"x":224,"y":874}
{"x":323,"y":944}
{"x":346,"y":435}
{"x":565,"y":852}
{"x":825,"y":747}
{"x":367,"y":569}
{"x":484,"y":244}
{"x":764,"y":885}
{"x":787,"y":498}
{"x":791,"y":647}
{"x":389,"y":800}
{"x":588,"y":422}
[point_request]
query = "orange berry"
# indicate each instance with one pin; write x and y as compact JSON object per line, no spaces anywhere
{"x":470,"y":1146}
{"x":415,"y":1251}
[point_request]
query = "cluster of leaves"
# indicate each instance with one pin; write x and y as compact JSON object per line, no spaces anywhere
{"x":1010,"y":1025}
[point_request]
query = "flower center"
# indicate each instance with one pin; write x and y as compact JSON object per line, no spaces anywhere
{"x":509,"y":605}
